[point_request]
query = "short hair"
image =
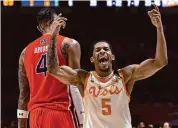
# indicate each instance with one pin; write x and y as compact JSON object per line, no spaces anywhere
{"x":95,"y":42}
{"x":45,"y":15}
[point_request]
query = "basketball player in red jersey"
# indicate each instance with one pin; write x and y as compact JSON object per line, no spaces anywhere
{"x":107,"y":89}
{"x":42,"y":95}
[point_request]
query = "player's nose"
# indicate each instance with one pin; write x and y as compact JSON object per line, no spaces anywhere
{"x":102,"y":51}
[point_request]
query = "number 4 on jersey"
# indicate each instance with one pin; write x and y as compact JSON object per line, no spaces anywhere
{"x":42,"y":66}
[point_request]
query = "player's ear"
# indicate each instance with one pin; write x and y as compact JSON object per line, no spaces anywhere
{"x":113,"y":57}
{"x":48,"y":23}
{"x":40,"y":28}
{"x":91,"y":59}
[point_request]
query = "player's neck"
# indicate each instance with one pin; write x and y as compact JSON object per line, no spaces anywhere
{"x":47,"y":31}
{"x":104,"y":74}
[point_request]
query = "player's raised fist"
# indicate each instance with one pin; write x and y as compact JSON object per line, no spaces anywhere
{"x":57,"y":24}
{"x":155,"y":17}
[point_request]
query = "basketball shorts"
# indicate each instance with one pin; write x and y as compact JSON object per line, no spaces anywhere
{"x":48,"y":118}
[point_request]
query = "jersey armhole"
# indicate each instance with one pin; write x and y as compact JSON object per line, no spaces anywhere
{"x":25,"y":55}
{"x":86,"y":81}
{"x":123,"y":82}
{"x":60,"y":39}
{"x":59,"y":44}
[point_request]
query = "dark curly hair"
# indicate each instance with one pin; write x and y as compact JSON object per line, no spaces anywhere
{"x":45,"y":15}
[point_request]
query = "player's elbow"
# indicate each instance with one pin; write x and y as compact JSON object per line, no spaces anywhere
{"x":161,"y":63}
{"x":165,"y":62}
{"x":51,"y":70}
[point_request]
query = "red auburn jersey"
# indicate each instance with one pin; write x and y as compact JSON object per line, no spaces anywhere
{"x":45,"y":90}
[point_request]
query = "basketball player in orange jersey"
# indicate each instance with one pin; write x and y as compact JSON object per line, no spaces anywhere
{"x":46,"y":98}
{"x":107,"y":90}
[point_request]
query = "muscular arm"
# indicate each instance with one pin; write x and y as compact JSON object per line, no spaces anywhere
{"x":148,"y":67}
{"x":24,"y":91}
{"x":64,"y":74}
{"x":71,"y":50}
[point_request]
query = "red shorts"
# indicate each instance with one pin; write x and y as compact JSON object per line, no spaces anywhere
{"x":48,"y":118}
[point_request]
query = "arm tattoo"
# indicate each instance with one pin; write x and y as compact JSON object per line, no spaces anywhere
{"x":24,"y":93}
{"x":24,"y":88}
{"x":52,"y":61}
{"x":64,"y":48}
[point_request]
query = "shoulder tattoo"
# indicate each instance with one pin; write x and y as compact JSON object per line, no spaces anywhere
{"x":64,"y":49}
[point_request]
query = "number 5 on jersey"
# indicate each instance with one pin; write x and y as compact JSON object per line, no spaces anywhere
{"x":106,"y":108}
{"x":42,"y":65}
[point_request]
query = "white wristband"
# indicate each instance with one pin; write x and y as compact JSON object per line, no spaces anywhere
{"x":22,"y":113}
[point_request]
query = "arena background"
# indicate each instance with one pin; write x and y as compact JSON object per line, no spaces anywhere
{"x":132,"y":35}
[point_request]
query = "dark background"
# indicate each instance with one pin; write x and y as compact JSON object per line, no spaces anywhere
{"x":131,"y":34}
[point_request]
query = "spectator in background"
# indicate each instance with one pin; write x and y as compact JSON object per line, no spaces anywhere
{"x":141,"y":125}
{"x":3,"y":124}
{"x":150,"y":126}
{"x":13,"y":124}
{"x":166,"y":125}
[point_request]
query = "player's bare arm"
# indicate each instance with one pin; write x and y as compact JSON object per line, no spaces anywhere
{"x":71,"y":51}
{"x":24,"y":91}
{"x":149,"y":67}
{"x":52,"y":57}
{"x":63,"y":73}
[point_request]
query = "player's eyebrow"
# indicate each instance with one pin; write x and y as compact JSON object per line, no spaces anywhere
{"x":104,"y":47}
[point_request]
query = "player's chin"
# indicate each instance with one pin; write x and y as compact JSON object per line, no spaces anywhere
{"x":104,"y":69}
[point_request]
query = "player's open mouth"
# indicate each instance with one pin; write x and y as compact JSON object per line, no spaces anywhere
{"x":103,"y":60}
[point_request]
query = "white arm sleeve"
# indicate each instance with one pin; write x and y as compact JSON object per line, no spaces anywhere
{"x":77,"y":101}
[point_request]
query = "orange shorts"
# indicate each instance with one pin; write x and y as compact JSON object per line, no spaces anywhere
{"x":48,"y":118}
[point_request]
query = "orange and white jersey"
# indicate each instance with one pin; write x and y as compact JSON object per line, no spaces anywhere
{"x":106,"y":102}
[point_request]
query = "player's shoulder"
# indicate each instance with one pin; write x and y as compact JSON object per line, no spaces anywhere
{"x":70,"y":44}
{"x":127,"y":71}
{"x":70,"y":41}
{"x":129,"y":68}
{"x":23,"y":51}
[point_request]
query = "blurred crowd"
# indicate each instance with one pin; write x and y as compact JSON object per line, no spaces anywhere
{"x":13,"y":124}
{"x":9,"y":124}
{"x":143,"y":125}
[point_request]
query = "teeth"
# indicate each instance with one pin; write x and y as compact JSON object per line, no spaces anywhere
{"x":103,"y":62}
{"x":103,"y":59}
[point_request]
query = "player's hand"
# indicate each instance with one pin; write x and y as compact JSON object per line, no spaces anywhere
{"x":57,"y":24}
{"x":61,"y":21}
{"x":155,"y":17}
